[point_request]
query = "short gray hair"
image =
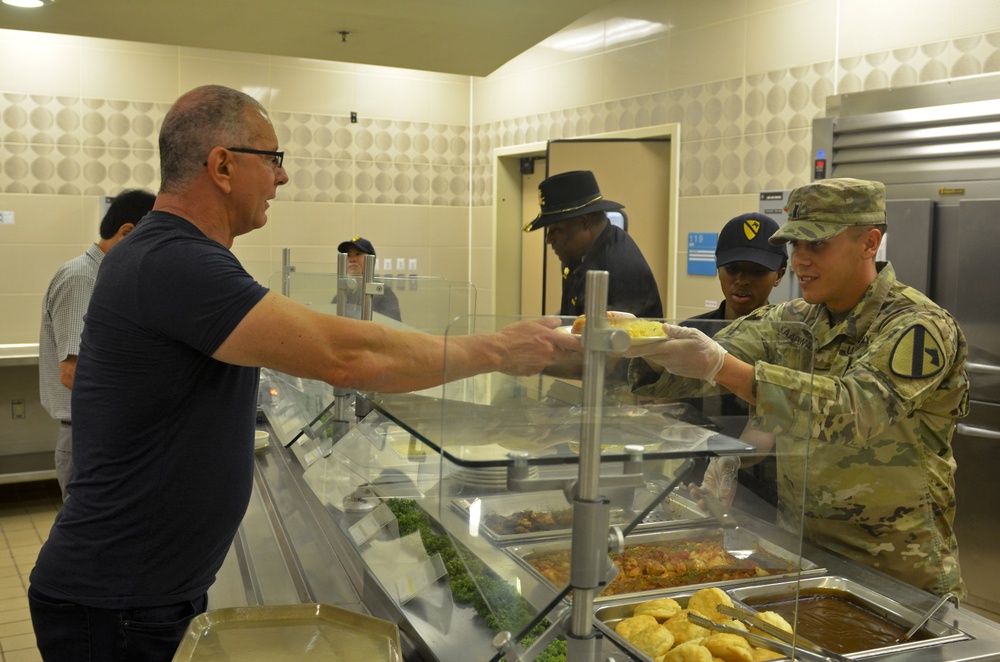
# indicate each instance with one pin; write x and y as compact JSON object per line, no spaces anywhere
{"x":206,"y":117}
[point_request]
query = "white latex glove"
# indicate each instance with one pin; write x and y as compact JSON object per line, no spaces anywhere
{"x":720,"y":479}
{"x":687,"y":352}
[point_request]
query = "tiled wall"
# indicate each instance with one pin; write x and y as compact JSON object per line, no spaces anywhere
{"x":743,"y":78}
{"x":79,"y":119}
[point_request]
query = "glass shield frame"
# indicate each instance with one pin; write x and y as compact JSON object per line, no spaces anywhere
{"x":508,"y":452}
{"x":425,"y":303}
{"x":426,"y":483}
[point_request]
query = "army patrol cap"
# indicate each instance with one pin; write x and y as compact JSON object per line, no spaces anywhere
{"x":827,"y":207}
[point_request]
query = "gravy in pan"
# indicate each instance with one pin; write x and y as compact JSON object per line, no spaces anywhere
{"x":837,"y":622}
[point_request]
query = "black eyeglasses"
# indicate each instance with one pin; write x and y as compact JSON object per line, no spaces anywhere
{"x":276,"y":157}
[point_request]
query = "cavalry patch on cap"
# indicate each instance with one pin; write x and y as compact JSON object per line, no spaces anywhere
{"x":750,"y":228}
{"x":916,"y":354}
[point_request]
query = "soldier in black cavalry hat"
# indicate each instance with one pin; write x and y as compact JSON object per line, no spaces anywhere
{"x":577,"y":227}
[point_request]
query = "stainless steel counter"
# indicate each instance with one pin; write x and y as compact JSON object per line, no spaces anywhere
{"x":292,"y":548}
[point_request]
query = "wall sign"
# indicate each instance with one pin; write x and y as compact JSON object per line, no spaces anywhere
{"x":701,"y":253}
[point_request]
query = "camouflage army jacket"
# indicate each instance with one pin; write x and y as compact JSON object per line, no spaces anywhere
{"x":866,"y":436}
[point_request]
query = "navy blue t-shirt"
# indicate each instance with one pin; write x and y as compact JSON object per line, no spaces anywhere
{"x":162,"y":432}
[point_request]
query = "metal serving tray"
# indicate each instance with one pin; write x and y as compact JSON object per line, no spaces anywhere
{"x":288,"y":632}
{"x":609,"y":613}
{"x":774,"y":557}
{"x":675,"y":512}
{"x":934,"y":633}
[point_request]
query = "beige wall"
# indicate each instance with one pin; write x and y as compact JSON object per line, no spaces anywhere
{"x":743,"y":78}
{"x":79,"y":119}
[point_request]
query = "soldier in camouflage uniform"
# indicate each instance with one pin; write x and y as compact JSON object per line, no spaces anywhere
{"x":878,"y":409}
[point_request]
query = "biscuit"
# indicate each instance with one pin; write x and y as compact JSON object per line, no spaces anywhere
{"x":661,"y":609}
{"x":706,"y":602}
{"x":762,"y":654}
{"x":628,"y":628}
{"x":683,"y":629}
{"x":775,"y":619}
{"x":729,"y":647}
{"x":653,"y":641}
{"x":686,"y":653}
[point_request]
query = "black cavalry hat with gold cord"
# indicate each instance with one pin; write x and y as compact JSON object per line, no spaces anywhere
{"x":568,"y":195}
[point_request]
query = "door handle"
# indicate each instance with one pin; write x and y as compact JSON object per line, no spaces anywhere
{"x":974,"y":431}
{"x":983,"y":368}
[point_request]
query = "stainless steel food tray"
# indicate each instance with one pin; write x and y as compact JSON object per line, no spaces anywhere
{"x":905,"y":616}
{"x":288,"y":632}
{"x":783,"y":557}
{"x":675,"y":512}
{"x":609,"y":613}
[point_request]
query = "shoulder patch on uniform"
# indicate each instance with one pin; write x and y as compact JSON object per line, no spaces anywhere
{"x":916,"y":354}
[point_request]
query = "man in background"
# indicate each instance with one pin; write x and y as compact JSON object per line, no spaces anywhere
{"x":749,"y":267}
{"x":63,"y":309}
{"x":386,"y":303}
{"x":573,"y":213}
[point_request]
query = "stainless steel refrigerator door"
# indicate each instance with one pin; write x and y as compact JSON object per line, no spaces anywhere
{"x":978,"y":306}
{"x":976,"y":447}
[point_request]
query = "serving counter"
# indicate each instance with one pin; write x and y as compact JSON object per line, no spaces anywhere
{"x":440,"y":511}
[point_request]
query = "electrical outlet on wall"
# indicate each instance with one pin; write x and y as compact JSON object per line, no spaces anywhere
{"x":17,"y":409}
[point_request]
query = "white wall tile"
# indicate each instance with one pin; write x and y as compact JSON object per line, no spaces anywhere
{"x":576,"y":83}
{"x":414,"y":98}
{"x":36,"y":63}
{"x":245,"y":72}
{"x":969,"y":17}
{"x":636,"y":69}
{"x":527,"y":93}
{"x":21,"y":320}
{"x":129,"y":74}
{"x":869,"y":27}
{"x":394,"y":225}
{"x":482,"y":234}
{"x":487,"y":95}
{"x":313,"y":90}
{"x":774,"y":41}
{"x":691,"y":63}
{"x":450,"y":227}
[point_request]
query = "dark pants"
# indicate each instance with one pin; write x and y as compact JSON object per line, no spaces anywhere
{"x":68,"y":632}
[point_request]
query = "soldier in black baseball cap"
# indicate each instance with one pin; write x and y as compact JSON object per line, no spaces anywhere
{"x":356,"y":250}
{"x":573,"y":214}
{"x":385,"y":304}
{"x":749,"y":266}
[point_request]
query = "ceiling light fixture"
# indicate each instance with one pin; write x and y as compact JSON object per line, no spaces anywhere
{"x":29,"y":4}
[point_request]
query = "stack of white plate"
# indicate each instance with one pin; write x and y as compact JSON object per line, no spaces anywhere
{"x":486,"y":478}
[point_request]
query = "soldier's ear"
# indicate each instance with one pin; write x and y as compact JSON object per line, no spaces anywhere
{"x":873,"y":238}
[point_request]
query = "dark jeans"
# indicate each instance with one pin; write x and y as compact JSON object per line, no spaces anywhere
{"x":68,"y":632}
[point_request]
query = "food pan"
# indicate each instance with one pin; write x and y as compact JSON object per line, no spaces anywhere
{"x":769,"y":561}
{"x":288,"y":632}
{"x":878,"y":620}
{"x":547,"y":515}
{"x":611,"y":611}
